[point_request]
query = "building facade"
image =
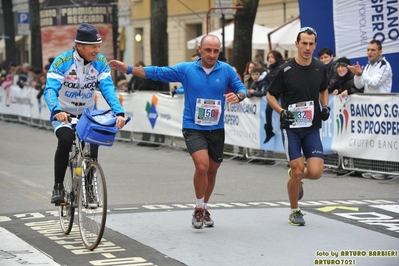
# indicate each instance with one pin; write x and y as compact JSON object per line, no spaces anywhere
{"x":187,"y":19}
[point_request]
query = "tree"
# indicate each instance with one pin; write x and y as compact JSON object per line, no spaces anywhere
{"x":36,"y":35}
{"x":9,"y":31}
{"x":115,"y":27}
{"x":243,"y":26}
{"x":159,"y":35}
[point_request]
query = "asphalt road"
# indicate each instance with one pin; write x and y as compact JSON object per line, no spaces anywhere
{"x":150,"y":198}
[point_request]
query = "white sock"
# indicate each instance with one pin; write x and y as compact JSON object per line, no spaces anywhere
{"x":200,"y":203}
{"x":295,"y":210}
{"x":205,"y":205}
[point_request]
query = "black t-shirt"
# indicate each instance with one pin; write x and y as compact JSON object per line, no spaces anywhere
{"x":296,"y":83}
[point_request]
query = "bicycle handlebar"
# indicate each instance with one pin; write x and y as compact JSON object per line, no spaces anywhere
{"x":75,"y":120}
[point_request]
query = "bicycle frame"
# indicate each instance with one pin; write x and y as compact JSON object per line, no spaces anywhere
{"x":81,"y":183}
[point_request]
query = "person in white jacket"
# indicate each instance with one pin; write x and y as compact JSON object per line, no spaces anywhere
{"x":376,"y":76}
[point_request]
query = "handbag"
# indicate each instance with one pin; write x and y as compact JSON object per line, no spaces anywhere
{"x":97,"y":127}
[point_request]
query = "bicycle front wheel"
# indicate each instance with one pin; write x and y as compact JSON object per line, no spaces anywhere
{"x":66,"y":210}
{"x":92,"y":206}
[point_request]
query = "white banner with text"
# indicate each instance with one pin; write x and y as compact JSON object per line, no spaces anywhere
{"x":367,"y":127}
{"x":356,"y":23}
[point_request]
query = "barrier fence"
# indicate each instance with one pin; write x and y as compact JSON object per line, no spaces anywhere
{"x":362,"y":133}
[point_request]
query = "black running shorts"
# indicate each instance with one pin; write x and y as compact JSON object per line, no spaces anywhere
{"x":211,"y":140}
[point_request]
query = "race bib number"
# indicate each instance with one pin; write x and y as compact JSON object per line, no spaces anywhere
{"x":207,"y":112}
{"x":303,"y":113}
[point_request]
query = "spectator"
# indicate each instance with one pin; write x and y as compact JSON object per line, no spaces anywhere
{"x":343,"y":84}
{"x":261,"y":81}
{"x":205,"y":82}
{"x":327,"y":57}
{"x":180,"y":89}
{"x":275,"y":60}
{"x":247,"y":80}
{"x":12,"y":69}
{"x":150,"y":85}
{"x":195,"y":57}
{"x":24,"y":75}
{"x":123,"y":84}
{"x":20,"y":77}
{"x":47,"y":66}
{"x":135,"y":81}
{"x":3,"y":78}
{"x":34,"y":73}
{"x":40,"y":85}
{"x":260,"y":61}
{"x":6,"y":86}
{"x":376,"y":76}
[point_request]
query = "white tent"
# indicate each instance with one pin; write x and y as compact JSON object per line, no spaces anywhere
{"x":284,"y":37}
{"x":259,"y":37}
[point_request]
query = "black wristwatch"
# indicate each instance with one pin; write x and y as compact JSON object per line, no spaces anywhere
{"x":240,"y":98}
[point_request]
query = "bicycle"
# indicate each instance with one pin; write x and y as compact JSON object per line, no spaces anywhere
{"x":85,"y":190}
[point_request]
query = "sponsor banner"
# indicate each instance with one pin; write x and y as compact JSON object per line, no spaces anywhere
{"x":367,"y":127}
{"x":356,"y":23}
{"x":151,"y":112}
{"x":4,"y":101}
{"x":159,"y":113}
{"x":16,"y":101}
{"x":242,"y":122}
{"x":75,"y":12}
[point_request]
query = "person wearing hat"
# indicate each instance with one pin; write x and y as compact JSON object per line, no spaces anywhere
{"x":70,"y":88}
{"x":343,"y":84}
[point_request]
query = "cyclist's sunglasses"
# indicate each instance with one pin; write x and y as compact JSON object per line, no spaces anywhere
{"x":308,"y":28}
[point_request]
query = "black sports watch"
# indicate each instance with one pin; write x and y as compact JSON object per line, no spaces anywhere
{"x":240,"y":98}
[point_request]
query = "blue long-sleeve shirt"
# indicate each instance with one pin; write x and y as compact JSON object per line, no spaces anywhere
{"x":199,"y":85}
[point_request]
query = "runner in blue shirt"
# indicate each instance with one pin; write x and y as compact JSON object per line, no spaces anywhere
{"x":205,"y":83}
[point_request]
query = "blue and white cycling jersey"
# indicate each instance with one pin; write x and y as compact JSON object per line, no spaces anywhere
{"x":70,"y":85}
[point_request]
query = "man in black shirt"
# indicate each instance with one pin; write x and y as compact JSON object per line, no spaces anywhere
{"x":302,"y":84}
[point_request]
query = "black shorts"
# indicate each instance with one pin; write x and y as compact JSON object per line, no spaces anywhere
{"x":211,"y":140}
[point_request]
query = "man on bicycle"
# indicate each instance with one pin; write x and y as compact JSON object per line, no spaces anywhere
{"x":71,"y":82}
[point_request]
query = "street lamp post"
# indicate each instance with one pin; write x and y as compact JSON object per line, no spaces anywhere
{"x":223,"y":21}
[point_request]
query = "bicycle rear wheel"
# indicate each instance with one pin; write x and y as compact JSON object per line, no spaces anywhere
{"x":92,"y":210}
{"x":66,"y":211}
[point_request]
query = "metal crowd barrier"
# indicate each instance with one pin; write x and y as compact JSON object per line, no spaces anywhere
{"x":331,"y":161}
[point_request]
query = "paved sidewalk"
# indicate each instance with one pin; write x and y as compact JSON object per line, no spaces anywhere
{"x":16,"y":252}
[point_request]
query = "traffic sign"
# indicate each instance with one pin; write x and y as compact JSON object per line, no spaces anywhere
{"x":223,"y":3}
{"x":23,"y":23}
